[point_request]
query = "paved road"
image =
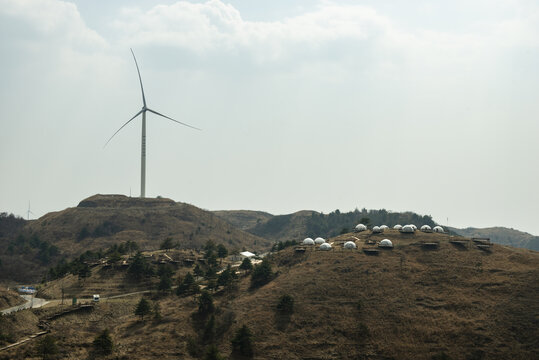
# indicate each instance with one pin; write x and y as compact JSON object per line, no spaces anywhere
{"x":31,"y":302}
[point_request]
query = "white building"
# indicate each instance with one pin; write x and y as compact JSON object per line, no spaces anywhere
{"x":386,"y":243}
{"x":325,"y":247}
{"x":349,"y":245}
{"x":360,"y":227}
{"x":319,"y":241}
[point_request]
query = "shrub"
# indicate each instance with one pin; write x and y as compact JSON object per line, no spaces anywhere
{"x":246,"y":264}
{"x":193,"y":348}
{"x":222,"y":251}
{"x":285,"y":305}
{"x":205,"y":304}
{"x":143,"y":308}
{"x":208,"y":335}
{"x":103,"y":344}
{"x":212,"y":353}
{"x":167,"y":244}
{"x":441,"y":356}
{"x":47,"y":347}
{"x":165,"y":283}
{"x":187,"y":286}
{"x":359,"y":305}
{"x":242,"y":343}
{"x":262,"y":274}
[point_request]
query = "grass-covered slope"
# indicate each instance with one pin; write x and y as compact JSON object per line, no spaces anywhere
{"x":104,"y":220}
{"x":453,"y":302}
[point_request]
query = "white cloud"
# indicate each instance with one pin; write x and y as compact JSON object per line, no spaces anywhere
{"x":215,"y":26}
{"x":52,"y":19}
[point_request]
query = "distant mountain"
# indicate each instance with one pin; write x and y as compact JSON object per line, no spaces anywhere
{"x":27,"y":249}
{"x":502,"y":235}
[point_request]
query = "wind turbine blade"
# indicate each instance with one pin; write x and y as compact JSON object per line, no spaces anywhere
{"x":179,"y":122}
{"x":140,"y":79}
{"x":140,"y":112}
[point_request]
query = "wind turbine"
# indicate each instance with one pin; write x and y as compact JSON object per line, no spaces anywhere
{"x":143,"y":142}
{"x":29,"y":212}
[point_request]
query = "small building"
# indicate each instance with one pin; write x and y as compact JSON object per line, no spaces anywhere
{"x":397,"y":227}
{"x":308,"y":241}
{"x":407,"y":229}
{"x":247,"y":254}
{"x":425,"y":228}
{"x":386,"y":243}
{"x":319,"y":241}
{"x":360,"y":228}
{"x":325,"y":246}
{"x":438,"y":229}
{"x":383,"y":227}
{"x":349,"y":245}
{"x":377,"y":230}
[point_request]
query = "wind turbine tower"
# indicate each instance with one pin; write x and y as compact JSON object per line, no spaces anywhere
{"x":29,"y":212}
{"x":143,"y":140}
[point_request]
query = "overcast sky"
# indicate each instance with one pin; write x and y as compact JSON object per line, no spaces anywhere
{"x":428,"y":106}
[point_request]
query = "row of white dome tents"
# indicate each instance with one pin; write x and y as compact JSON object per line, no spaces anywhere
{"x":318,"y":241}
{"x":375,"y":229}
{"x":386,"y":243}
{"x":410,"y":228}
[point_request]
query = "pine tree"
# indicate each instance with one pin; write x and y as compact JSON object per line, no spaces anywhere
{"x":222,"y":251}
{"x":143,"y":308}
{"x":262,"y":274}
{"x":242,"y":343}
{"x":103,"y":344}
{"x":246,"y":264}
{"x":205,"y":304}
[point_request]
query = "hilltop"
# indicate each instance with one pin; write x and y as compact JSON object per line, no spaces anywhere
{"x":305,"y":223}
{"x":102,"y":221}
{"x":298,"y":225}
{"x":450,"y":301}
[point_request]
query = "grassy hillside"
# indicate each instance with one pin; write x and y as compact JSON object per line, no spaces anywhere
{"x":104,"y":220}
{"x":9,"y":298}
{"x":504,"y":236}
{"x":452,"y":302}
{"x":243,"y":219}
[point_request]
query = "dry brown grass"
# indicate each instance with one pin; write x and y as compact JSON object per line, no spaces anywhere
{"x":415,"y":303}
{"x":148,"y":222}
{"x":9,"y":298}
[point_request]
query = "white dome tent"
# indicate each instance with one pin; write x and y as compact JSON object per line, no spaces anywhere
{"x":349,"y":245}
{"x":425,"y":228}
{"x":438,"y":229}
{"x":325,"y":247}
{"x":383,"y":227}
{"x":386,"y":243}
{"x":360,"y":227}
{"x":319,"y":241}
{"x":308,"y":241}
{"x":407,"y":229}
{"x":377,"y":230}
{"x":397,"y":227}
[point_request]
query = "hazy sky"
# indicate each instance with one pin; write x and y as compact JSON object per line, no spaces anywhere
{"x":429,"y":106}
